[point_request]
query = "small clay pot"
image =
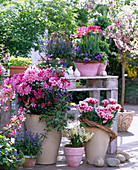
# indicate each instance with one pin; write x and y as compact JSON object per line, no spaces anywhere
{"x":29,"y":161}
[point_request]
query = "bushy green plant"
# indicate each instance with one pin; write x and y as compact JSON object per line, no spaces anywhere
{"x":30,"y":144}
{"x":8,"y":158}
{"x":21,"y":24}
{"x":19,"y":61}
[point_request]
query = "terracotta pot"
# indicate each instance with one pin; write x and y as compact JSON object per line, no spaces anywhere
{"x":101,"y":68}
{"x":73,"y":155}
{"x":50,"y":144}
{"x":97,"y":146}
{"x":16,"y":70}
{"x":29,"y":161}
{"x":87,"y":69}
{"x":124,"y":120}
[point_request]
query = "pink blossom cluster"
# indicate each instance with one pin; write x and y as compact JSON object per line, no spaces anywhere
{"x":83,"y":106}
{"x":2,"y":70}
{"x":105,"y":112}
{"x":24,"y":83}
{"x":15,"y":122}
{"x":124,"y":30}
{"x":85,"y":30}
{"x":37,"y":88}
{"x":6,"y":94}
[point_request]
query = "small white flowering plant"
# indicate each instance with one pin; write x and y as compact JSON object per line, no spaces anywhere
{"x":77,"y":136}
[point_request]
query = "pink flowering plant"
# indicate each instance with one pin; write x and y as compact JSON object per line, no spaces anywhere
{"x":2,"y":71}
{"x":43,"y":92}
{"x":87,"y":46}
{"x":15,"y":123}
{"x":6,"y":94}
{"x":124,"y":32}
{"x":103,"y":115}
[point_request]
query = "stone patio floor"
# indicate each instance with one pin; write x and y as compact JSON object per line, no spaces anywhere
{"x":126,"y":141}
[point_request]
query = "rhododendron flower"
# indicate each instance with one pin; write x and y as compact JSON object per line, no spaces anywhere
{"x":39,"y":89}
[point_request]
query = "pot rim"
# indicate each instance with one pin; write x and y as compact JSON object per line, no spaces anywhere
{"x":127,"y":111}
{"x":27,"y":156}
{"x":18,"y":66}
{"x":74,"y":147}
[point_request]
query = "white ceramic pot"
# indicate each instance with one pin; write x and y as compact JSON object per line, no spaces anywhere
{"x":125,"y":119}
{"x":97,"y":146}
{"x":50,"y":144}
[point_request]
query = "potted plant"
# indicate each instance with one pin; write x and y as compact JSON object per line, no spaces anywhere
{"x":88,"y":53}
{"x":123,"y":31}
{"x":60,"y":46}
{"x":43,"y":93}
{"x":18,"y":65}
{"x":97,"y":119}
{"x":30,"y":144}
{"x":75,"y":149}
{"x":8,"y":158}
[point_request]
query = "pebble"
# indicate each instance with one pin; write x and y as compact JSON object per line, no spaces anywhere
{"x":126,"y":155}
{"x":112,"y":162}
{"x":99,"y":162}
{"x":121,"y":158}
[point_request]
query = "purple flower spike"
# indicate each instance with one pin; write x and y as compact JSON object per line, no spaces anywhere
{"x":85,"y":59}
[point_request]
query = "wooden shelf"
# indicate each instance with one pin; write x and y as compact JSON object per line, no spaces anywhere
{"x":92,"y":89}
{"x":94,"y":78}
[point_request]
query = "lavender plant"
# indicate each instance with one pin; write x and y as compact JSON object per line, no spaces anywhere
{"x":60,"y":46}
{"x":29,"y":143}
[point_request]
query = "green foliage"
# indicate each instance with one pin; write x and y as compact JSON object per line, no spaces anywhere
{"x":21,"y":24}
{"x":57,"y":117}
{"x":3,"y":56}
{"x":7,"y":156}
{"x":81,"y":13}
{"x":102,"y":21}
{"x":103,"y":45}
{"x":19,"y":61}
{"x":60,"y":17}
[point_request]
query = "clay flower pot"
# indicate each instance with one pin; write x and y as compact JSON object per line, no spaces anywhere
{"x":87,"y":69}
{"x":101,"y":68}
{"x":50,"y":144}
{"x":29,"y":161}
{"x":97,"y":146}
{"x":17,"y":70}
{"x":73,"y":155}
{"x":125,"y":119}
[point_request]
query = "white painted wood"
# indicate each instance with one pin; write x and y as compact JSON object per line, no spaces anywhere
{"x":91,"y":89}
